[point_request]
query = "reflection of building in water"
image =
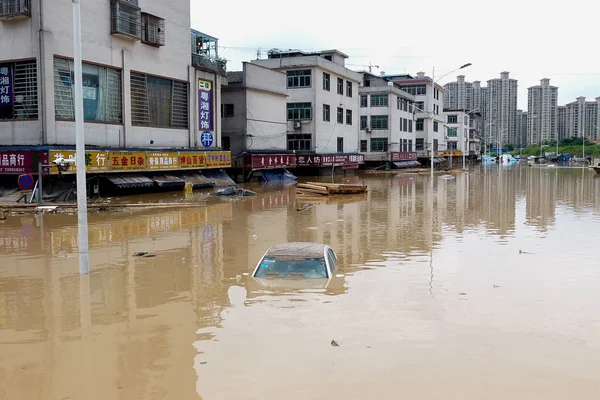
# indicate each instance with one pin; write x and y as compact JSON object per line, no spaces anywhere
{"x":119,"y":319}
{"x":540,"y":191}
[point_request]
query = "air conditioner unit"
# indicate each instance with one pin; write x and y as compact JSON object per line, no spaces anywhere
{"x":297,"y":125}
{"x":368,"y":130}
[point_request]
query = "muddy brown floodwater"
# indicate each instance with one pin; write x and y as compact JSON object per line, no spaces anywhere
{"x":486,"y":286}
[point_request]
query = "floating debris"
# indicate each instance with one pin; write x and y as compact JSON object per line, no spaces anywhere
{"x":326,"y":189}
{"x":447,"y":177}
{"x":306,"y":207}
{"x":524,"y":252}
{"x":335,"y":344}
{"x":235,"y":191}
{"x":143,"y":254}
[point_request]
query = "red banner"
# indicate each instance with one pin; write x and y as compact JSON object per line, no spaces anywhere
{"x":326,"y":160}
{"x":405,"y":156}
{"x":269,"y":161}
{"x":21,"y":161}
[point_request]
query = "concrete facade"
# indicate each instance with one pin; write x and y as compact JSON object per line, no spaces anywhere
{"x":457,"y":126}
{"x":316,"y":82}
{"x":561,"y":122}
{"x":459,"y":95}
{"x":521,"y":130}
{"x":381,"y":99}
{"x":254,"y":110}
{"x":583,"y":118}
{"x":429,"y":107}
{"x":116,"y":44}
{"x":541,"y":107}
{"x":501,"y":110}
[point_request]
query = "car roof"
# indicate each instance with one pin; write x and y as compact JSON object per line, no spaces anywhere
{"x":297,"y":250}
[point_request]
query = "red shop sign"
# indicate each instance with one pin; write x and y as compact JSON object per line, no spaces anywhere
{"x":269,"y":161}
{"x":403,"y":156}
{"x":21,"y":161}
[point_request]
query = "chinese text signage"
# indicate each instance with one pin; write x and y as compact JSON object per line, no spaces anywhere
{"x":326,"y":160}
{"x":6,"y":86}
{"x":268,"y":161}
{"x":95,"y":161}
{"x":404,"y":156}
{"x":205,"y":109}
{"x":192,"y":160}
{"x":127,"y":161}
{"x":168,"y":160}
{"x":21,"y":162}
{"x":218,"y":159}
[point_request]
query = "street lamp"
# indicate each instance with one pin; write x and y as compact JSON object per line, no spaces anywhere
{"x":434,"y":82}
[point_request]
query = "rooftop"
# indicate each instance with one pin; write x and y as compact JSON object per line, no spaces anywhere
{"x":297,"y":250}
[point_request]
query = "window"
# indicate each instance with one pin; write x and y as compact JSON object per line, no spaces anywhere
{"x":326,"y":82}
{"x":340,"y":86}
{"x":363,"y":122}
{"x":410,"y":125}
{"x":405,"y":125}
{"x":158,"y":102}
{"x":18,"y":90}
{"x":153,"y":30}
{"x":419,"y":144}
{"x":379,"y":100}
{"x":363,"y":146}
{"x":340,"y":115}
{"x":435,"y":126}
{"x":420,"y":106}
{"x":419,"y":125}
{"x":296,"y":111}
{"x":410,"y":145}
{"x":340,"y":145}
{"x":379,"y":144}
{"x":126,"y":18}
{"x":435,"y":145}
{"x":348,"y":117}
{"x":326,"y":112}
{"x":415,"y":89}
{"x":410,"y":107}
{"x":227,"y":110}
{"x":405,"y":107}
{"x":298,"y":142}
{"x":379,"y":122}
{"x":452,"y":132}
{"x":102,"y":99}
{"x":348,"y":88}
{"x":226,"y":143}
{"x":452,"y":119}
{"x":13,"y":8}
{"x":363,"y":101}
{"x":452,"y":146}
{"x":299,"y":79}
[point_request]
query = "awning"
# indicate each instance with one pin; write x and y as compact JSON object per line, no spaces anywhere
{"x":219,"y":177}
{"x":168,"y":181}
{"x":438,"y":160}
{"x":130,"y":181}
{"x":198,"y":180}
{"x":406,"y":164}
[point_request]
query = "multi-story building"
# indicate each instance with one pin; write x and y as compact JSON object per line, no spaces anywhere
{"x":521,"y":130}
{"x":480,"y":104}
{"x":322,"y":105}
{"x":542,"y":101}
{"x":524,"y":123}
{"x":457,"y":130}
{"x":428,"y":108}
{"x":561,"y":122}
{"x":501,"y":110}
{"x":475,"y":131}
{"x":253,"y":113}
{"x":583,"y":118}
{"x":459,"y":94}
{"x":142,"y":86}
{"x":386,"y":120}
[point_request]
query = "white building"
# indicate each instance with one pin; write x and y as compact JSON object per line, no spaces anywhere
{"x":583,"y":118}
{"x":140,"y":86}
{"x":458,"y":124}
{"x":561,"y":122}
{"x":322,"y":104}
{"x":253,"y":112}
{"x":459,"y":94}
{"x":501,"y":110}
{"x":428,"y":107}
{"x":521,"y":129}
{"x":386,"y":120}
{"x":541,"y":106}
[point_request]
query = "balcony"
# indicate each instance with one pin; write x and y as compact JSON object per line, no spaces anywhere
{"x":209,"y":65}
{"x":126,"y":19}
{"x":14,"y":9}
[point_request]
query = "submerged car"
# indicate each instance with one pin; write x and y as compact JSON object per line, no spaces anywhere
{"x":297,"y":259}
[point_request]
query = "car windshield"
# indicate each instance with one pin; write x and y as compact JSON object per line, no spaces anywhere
{"x":312,"y":268}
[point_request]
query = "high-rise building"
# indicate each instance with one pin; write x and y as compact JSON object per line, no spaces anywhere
{"x":521,"y":130}
{"x":458,"y":95}
{"x":561,"y":122}
{"x":541,"y":105}
{"x":480,"y":105}
{"x":501,"y":110}
{"x":583,"y":118}
{"x":522,"y":122}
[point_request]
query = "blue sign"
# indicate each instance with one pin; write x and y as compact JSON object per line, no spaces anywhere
{"x":206,"y":139}
{"x":25,"y":181}
{"x":504,"y":150}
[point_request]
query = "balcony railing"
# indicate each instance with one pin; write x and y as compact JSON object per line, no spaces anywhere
{"x":10,"y":9}
{"x":209,"y":64}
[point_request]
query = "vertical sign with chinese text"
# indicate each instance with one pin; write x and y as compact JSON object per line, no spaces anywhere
{"x":205,"y":105}
{"x":6,"y":86}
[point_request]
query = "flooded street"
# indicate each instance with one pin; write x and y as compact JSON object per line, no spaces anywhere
{"x":485,"y":287}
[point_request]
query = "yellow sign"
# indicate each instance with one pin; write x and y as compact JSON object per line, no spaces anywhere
{"x":95,"y":161}
{"x":453,"y":153}
{"x":218,"y":159}
{"x":204,"y":85}
{"x":127,"y":161}
{"x":191,"y":159}
{"x":164,"y":160}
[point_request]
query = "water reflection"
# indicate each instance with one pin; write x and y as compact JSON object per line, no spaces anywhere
{"x":406,"y":250}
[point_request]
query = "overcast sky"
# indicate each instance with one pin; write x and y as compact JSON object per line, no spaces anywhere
{"x":530,"y":39}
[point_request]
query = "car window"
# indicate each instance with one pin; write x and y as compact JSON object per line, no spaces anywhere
{"x":312,"y":268}
{"x":332,"y":260}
